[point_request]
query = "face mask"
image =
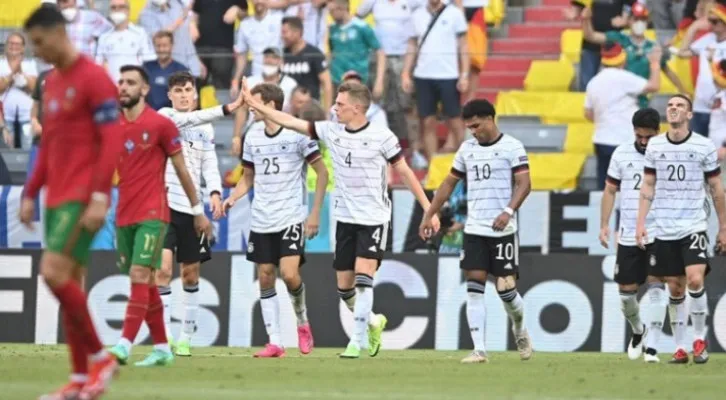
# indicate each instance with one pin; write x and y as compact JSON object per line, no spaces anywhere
{"x":638,"y":27}
{"x":159,"y":3}
{"x":269,"y":70}
{"x":69,"y":13}
{"x":118,"y":17}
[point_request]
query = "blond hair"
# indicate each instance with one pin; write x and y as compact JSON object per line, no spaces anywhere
{"x":357,"y":92}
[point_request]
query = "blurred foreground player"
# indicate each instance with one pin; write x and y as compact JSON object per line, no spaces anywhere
{"x":496,"y":169}
{"x":142,"y":215}
{"x":634,"y":266}
{"x":361,"y":153}
{"x":679,"y":165}
{"x":275,"y":164}
{"x":80,"y":144}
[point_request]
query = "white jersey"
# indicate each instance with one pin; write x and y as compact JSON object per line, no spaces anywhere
{"x":681,"y":170}
{"x":489,"y":171}
{"x":626,"y":172}
{"x":199,"y":152}
{"x":280,"y":177}
{"x":131,"y":46}
{"x":360,"y":160}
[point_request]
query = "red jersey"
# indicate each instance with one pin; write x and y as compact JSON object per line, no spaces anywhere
{"x":81,"y":137}
{"x":148,"y":142}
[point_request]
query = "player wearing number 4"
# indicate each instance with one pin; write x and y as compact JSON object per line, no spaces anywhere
{"x":496,"y":170}
{"x":677,"y":167}
{"x":361,"y":152}
{"x":634,"y":266}
{"x":274,"y":160}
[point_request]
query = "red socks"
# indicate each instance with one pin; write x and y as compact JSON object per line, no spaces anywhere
{"x":135,"y":310}
{"x":73,"y":302}
{"x":77,"y":346}
{"x":155,"y":316}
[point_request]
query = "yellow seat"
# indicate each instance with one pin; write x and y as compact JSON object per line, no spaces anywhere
{"x":551,"y":107}
{"x":549,"y":76}
{"x":579,"y":138}
{"x":555,"y":171}
{"x":495,"y":12}
{"x":135,"y":9}
{"x":439,"y":168}
{"x":14,"y":13}
{"x":570,"y":45}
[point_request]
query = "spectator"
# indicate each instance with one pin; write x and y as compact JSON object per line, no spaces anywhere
{"x":8,"y":139}
{"x":375,"y":113}
{"x":314,"y":17}
{"x":709,"y":48}
{"x":305,"y":62}
{"x":717,"y":125}
{"x":300,"y":99}
{"x":127,"y":44}
{"x":18,"y":76}
{"x":607,"y":15}
{"x":84,"y":27}
{"x":214,"y":20}
{"x":161,"y":69}
{"x":36,"y":118}
{"x":611,"y":101}
{"x":352,"y":42}
{"x":636,"y":46}
{"x":171,"y":15}
{"x":666,"y":13}
{"x":441,"y":74}
{"x":693,"y":26}
{"x":255,"y":34}
{"x":271,"y":73}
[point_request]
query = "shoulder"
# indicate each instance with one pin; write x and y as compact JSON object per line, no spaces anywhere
{"x":166,"y":112}
{"x":310,"y":49}
{"x":90,"y":68}
{"x":106,"y":36}
{"x":701,"y":142}
{"x":468,"y":145}
{"x":510,"y":142}
{"x":359,"y":23}
{"x":147,"y":65}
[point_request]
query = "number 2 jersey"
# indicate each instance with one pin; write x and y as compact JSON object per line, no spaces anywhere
{"x":681,"y":170}
{"x":626,"y":173}
{"x":489,"y":171}
{"x":280,"y":176}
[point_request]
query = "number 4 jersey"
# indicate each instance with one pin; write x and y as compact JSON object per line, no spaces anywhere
{"x":280,"y":177}
{"x":626,"y":173}
{"x":681,"y":170}
{"x":489,"y":171}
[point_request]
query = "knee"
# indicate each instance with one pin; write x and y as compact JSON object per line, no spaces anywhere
{"x":291,"y":278}
{"x":139,"y":274}
{"x":676,"y":289}
{"x":190,"y":274}
{"x":694,"y":282}
{"x":55,"y":275}
{"x":267,"y":278}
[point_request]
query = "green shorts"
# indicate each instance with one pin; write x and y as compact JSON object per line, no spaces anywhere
{"x":64,"y":233}
{"x":140,"y":244}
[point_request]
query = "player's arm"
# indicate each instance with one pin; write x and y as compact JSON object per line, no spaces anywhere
{"x":607,"y":203}
{"x":240,"y":121}
{"x":278,"y":117}
{"x":210,"y":173}
{"x":199,"y":117}
{"x":588,"y":31}
{"x":647,"y":194}
{"x":244,"y":185}
{"x":315,"y":159}
{"x":522,"y":186}
{"x":715,"y":186}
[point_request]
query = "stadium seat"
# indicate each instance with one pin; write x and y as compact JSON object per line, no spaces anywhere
{"x":570,"y":45}
{"x":659,"y":102}
{"x":136,"y":7}
{"x":537,"y":137}
{"x":439,"y":168}
{"x":588,"y":178}
{"x":552,"y":107}
{"x":555,"y":171}
{"x":495,"y":12}
{"x":579,"y":138}
{"x":17,"y":163}
{"x":518,"y":119}
{"x":682,"y":68}
{"x":13,"y":13}
{"x":549,"y":76}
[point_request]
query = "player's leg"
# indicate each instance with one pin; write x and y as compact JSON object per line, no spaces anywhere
{"x":630,"y":270}
{"x":474,"y":262}
{"x":188,"y":255}
{"x":161,"y":354}
{"x":670,"y":266}
{"x":657,"y":305}
{"x":292,"y":257}
{"x":164,"y":276}
{"x":695,"y":255}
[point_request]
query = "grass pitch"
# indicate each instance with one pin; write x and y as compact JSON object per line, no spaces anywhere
{"x":231,"y":373}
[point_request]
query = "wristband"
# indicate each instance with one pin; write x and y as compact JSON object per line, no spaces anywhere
{"x":197,"y":209}
{"x":509,"y":211}
{"x":98,"y":196}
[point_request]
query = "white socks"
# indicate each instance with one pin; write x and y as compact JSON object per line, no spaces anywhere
{"x":298,"y":304}
{"x":349,"y":296}
{"x":656,"y":312}
{"x":679,"y":320}
{"x":165,"y":293}
{"x":514,"y":305}
{"x":191,"y":306}
{"x":271,"y":314}
{"x":362,"y":308}
{"x":699,"y":312}
{"x":631,"y":310}
{"x":476,"y":313}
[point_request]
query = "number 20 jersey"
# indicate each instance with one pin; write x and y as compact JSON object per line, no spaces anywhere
{"x":626,"y":173}
{"x":489,"y":171}
{"x":681,"y":169}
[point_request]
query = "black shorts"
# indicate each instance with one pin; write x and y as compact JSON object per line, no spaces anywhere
{"x":182,"y":239}
{"x":353,"y":241}
{"x":432,"y":92}
{"x":498,"y":256}
{"x":634,"y":264}
{"x":673,"y":256}
{"x":269,"y":248}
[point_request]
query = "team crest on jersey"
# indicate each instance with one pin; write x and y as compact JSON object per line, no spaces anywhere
{"x":70,"y":93}
{"x":129,"y":145}
{"x":53,"y":106}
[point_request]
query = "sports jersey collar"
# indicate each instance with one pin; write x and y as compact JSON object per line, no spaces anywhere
{"x":274,"y":134}
{"x":679,"y":142}
{"x":359,"y":129}
{"x":501,"y":135}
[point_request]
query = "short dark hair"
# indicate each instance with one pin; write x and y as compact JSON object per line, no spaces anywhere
{"x":180,"y":79}
{"x":648,"y":118}
{"x":293,"y":22}
{"x":136,"y":68}
{"x":270,"y":93}
{"x":686,"y":98}
{"x":45,"y":17}
{"x":481,"y":108}
{"x":301,"y":89}
{"x":164,"y":34}
{"x":272,"y":51}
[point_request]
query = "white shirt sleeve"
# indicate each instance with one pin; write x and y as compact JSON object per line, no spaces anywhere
{"x":631,"y":83}
{"x":649,"y":162}
{"x":589,"y":104}
{"x":247,"y":159}
{"x":710,"y":164}
{"x":320,"y":130}
{"x":698,"y":46}
{"x":391,"y":148}
{"x":458,"y":167}
{"x":101,"y":50}
{"x":193,"y":118}
{"x":518,"y":159}
{"x":365,"y":8}
{"x":240,"y":43}
{"x":147,"y":47}
{"x":614,"y":173}
{"x":460,"y":25}
{"x":308,"y":148}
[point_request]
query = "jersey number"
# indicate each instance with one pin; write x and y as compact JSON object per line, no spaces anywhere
{"x":638,"y":178}
{"x":698,"y":242}
{"x":483,"y":173}
{"x":348,"y":160}
{"x":505,"y":251}
{"x":149,"y":242}
{"x":293,"y":233}
{"x":271,"y":166}
{"x":676,"y":173}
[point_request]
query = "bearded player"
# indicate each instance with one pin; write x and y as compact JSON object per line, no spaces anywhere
{"x":80,"y":145}
{"x":142,"y":215}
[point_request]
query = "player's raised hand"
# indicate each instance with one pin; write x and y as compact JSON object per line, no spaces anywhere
{"x":228,"y":203}
{"x":641,"y":236}
{"x":203,"y":226}
{"x":312,"y":225}
{"x":94,"y":216}
{"x":605,"y":236}
{"x":501,"y":222}
{"x":27,"y":212}
{"x":215,"y":204}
